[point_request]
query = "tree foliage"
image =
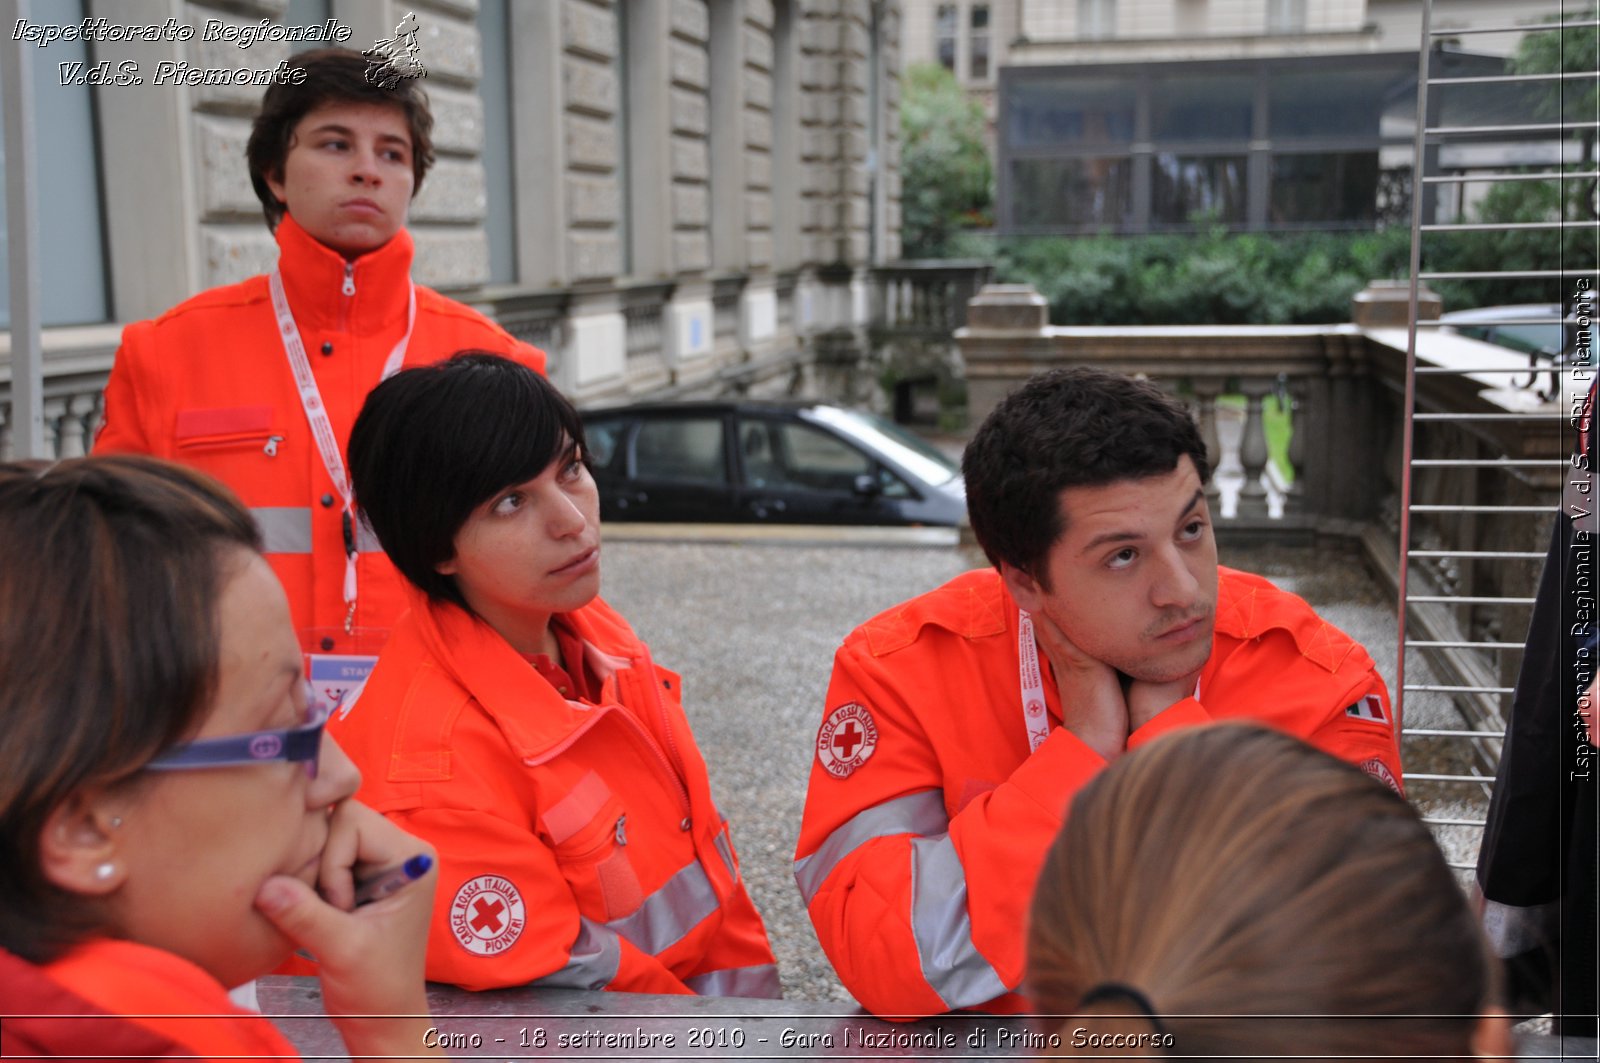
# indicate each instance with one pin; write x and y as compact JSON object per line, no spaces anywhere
{"x":946,"y":177}
{"x":1571,"y":51}
{"x":1214,"y":277}
{"x":1567,"y":199}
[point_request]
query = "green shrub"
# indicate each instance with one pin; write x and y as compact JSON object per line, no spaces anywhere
{"x":1213,"y":277}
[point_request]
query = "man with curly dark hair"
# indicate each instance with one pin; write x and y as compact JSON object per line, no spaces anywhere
{"x":959,"y":724}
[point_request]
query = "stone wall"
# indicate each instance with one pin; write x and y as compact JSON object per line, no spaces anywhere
{"x":448,"y":213}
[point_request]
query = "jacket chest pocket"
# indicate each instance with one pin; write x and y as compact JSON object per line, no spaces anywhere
{"x":588,"y":829}
{"x":226,"y":432}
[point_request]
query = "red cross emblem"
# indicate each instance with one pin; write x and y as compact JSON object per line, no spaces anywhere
{"x":487,"y":915}
{"x":847,"y":739}
{"x":1380,"y":771}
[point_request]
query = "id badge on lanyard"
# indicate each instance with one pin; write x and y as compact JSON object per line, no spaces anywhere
{"x":317,"y":417}
{"x":1031,"y":680}
{"x":1034,"y":717}
{"x":336,"y":677}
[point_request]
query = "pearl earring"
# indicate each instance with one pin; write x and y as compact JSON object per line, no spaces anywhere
{"x":104,"y":872}
{"x":116,"y":821}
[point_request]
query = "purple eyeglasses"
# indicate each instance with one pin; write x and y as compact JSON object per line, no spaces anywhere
{"x":296,"y":744}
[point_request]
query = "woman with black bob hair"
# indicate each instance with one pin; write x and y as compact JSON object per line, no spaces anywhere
{"x":172,"y":818}
{"x":517,"y":722}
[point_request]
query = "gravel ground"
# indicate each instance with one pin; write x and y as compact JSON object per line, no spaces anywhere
{"x":1342,"y":590}
{"x":753,"y":628}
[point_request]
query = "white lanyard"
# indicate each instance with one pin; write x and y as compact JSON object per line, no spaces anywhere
{"x":1032,"y":683}
{"x":317,"y":416}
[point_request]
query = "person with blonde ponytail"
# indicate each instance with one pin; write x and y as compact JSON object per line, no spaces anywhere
{"x":1231,"y":891}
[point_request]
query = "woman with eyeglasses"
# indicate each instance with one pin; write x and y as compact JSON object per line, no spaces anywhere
{"x":172,"y":819}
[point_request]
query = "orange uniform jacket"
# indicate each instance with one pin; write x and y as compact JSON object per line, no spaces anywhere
{"x":208,"y":384}
{"x":116,"y":999}
{"x":925,"y":827}
{"x":578,"y":843}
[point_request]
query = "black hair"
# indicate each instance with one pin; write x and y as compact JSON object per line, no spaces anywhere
{"x":330,"y":75}
{"x":1077,"y":427}
{"x":434,"y":443}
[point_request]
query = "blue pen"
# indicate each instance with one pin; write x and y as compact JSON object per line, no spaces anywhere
{"x":387,"y":882}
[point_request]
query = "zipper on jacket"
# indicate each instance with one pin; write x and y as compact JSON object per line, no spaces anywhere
{"x":348,"y":288}
{"x":622,"y":834}
{"x":228,"y":439}
{"x":661,"y":713}
{"x":671,"y":759}
{"x":677,"y":778}
{"x":271,"y":449}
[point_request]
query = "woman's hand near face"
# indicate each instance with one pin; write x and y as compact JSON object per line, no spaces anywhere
{"x":370,"y":958}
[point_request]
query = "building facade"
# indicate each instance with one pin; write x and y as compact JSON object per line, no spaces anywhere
{"x":975,"y":38}
{"x":1138,"y":116}
{"x":672,"y":197}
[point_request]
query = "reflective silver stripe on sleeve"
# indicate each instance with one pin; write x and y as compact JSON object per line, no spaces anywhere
{"x":725,"y":848}
{"x":760,"y":981}
{"x":592,"y":963}
{"x":724,"y":842}
{"x":918,"y":813}
{"x":681,"y":904}
{"x":284,"y":529}
{"x":951,"y":963}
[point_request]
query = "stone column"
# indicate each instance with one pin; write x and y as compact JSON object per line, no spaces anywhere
{"x":1387,"y":304}
{"x":1001,"y":343}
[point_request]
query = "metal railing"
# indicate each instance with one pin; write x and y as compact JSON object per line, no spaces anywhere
{"x":1475,"y":518}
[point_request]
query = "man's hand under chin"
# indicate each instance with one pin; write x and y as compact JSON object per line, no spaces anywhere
{"x":1146,"y":699}
{"x":1092,"y":705}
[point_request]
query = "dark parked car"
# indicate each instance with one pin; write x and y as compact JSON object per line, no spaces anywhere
{"x":782,"y":463}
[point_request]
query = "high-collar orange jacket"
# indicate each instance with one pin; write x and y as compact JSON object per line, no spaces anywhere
{"x":106,"y":999}
{"x":578,"y":842}
{"x":927,"y":817}
{"x":208,"y":384}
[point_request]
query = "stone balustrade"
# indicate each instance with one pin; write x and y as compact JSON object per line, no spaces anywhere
{"x":1319,"y":377}
{"x":926,"y":297}
{"x":73,"y":403}
{"x":915,"y":309}
{"x":1484,"y":482}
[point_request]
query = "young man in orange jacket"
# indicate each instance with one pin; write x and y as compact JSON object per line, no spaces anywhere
{"x":959,"y":724}
{"x":258,"y":383}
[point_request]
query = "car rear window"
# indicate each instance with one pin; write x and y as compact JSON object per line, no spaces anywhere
{"x":602,"y":438}
{"x":682,"y":449}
